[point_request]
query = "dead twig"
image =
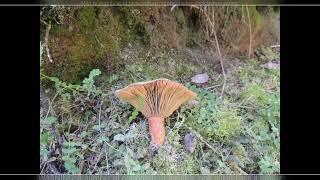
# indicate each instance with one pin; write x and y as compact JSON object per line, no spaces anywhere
{"x":173,"y":7}
{"x":212,"y":148}
{"x":245,"y":107}
{"x":105,"y":145}
{"x":275,"y":46}
{"x":212,"y":87}
{"x":226,"y":157}
{"x":49,"y":109}
{"x":106,"y":151}
{"x":99,"y":157}
{"x":47,"y":41}
{"x":250,"y":41}
{"x":178,"y":124}
{"x":99,"y":41}
{"x":220,"y":58}
{"x":211,"y":22}
{"x":224,"y":25}
{"x":99,"y":116}
{"x":243,"y":102}
{"x":206,"y":143}
{"x":49,"y":166}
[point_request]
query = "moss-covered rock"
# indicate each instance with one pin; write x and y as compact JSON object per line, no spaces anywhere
{"x":133,"y":26}
{"x":92,"y":37}
{"x":92,"y":41}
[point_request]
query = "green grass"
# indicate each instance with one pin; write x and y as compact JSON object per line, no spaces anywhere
{"x":88,"y":130}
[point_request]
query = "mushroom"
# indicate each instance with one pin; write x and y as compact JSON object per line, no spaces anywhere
{"x":156,"y":100}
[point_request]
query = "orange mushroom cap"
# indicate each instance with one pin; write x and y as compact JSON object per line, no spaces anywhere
{"x":159,"y":98}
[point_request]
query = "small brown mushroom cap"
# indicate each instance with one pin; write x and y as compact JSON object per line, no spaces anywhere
{"x":157,"y":98}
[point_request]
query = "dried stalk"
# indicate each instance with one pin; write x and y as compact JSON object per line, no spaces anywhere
{"x":47,"y":39}
{"x":275,"y":46}
{"x":250,"y":43}
{"x":211,"y":22}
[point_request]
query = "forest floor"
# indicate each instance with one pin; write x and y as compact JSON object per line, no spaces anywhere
{"x":86,"y":129}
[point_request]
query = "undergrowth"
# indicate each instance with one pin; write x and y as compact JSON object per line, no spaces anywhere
{"x":87,"y":130}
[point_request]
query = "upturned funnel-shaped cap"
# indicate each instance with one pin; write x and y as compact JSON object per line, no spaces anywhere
{"x":157,"y":98}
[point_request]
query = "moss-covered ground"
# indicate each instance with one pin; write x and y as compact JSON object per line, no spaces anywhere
{"x":90,"y":133}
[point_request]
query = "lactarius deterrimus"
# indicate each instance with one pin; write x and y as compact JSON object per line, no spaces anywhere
{"x":156,"y":100}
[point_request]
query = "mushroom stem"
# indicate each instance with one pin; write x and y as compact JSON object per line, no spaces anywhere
{"x":157,"y":130}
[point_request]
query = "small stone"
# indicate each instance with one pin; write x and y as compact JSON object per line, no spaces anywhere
{"x":270,"y":65}
{"x":200,"y":78}
{"x":190,"y":141}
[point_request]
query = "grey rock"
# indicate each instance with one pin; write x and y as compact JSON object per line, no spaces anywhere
{"x":200,"y":78}
{"x":190,"y":142}
{"x":270,"y":65}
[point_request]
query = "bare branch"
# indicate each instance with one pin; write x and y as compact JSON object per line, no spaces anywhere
{"x":250,"y":42}
{"x":211,"y":22}
{"x":47,"y":41}
{"x":275,"y":46}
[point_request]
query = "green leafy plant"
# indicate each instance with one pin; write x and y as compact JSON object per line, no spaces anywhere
{"x":211,"y":118}
{"x":113,"y":78}
{"x":268,"y":166}
{"x":88,"y":83}
{"x":71,"y":154}
{"x":67,"y":90}
{"x":46,"y":137}
{"x":228,"y":124}
{"x":136,"y":111}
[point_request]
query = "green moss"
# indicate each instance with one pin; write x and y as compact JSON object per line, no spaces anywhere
{"x":57,"y":29}
{"x":255,"y":17}
{"x":182,"y":29}
{"x":191,"y":164}
{"x":87,"y":17}
{"x":106,"y":39}
{"x":212,"y":118}
{"x":257,"y":93}
{"x":172,"y":158}
{"x":228,"y":124}
{"x":133,"y":28}
{"x":260,"y":125}
{"x":143,"y":34}
{"x":240,"y":151}
{"x":93,"y":42}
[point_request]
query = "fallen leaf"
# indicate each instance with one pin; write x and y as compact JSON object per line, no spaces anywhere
{"x":200,"y":78}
